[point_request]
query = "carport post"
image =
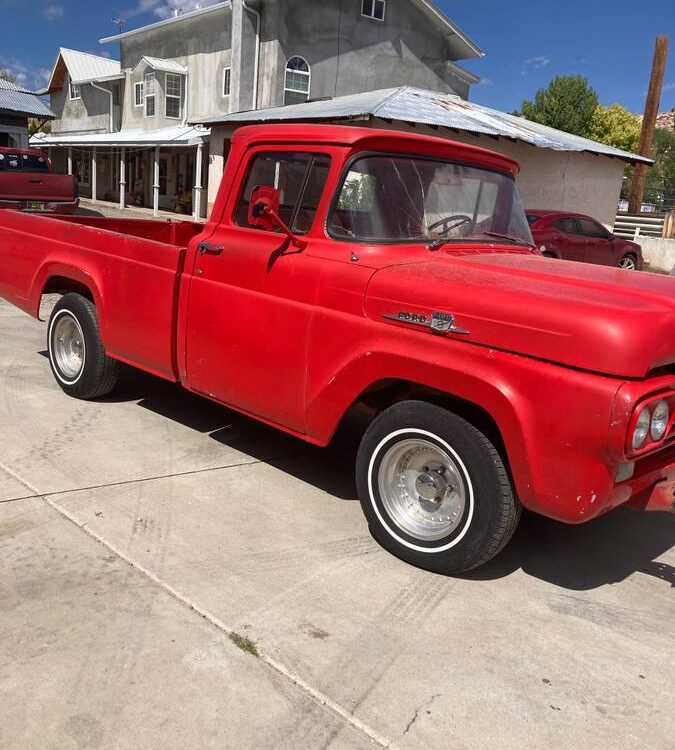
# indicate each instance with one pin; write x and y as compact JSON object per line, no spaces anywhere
{"x":93,"y":174}
{"x":155,"y":186}
{"x":123,"y":183}
{"x":197,"y":203}
{"x":70,"y":159}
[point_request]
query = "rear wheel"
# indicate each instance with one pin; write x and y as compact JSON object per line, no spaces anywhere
{"x":629,"y":262}
{"x":76,"y":353}
{"x":434,"y":488}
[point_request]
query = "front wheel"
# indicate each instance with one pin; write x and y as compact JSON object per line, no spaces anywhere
{"x":76,"y":353}
{"x":629,"y":262}
{"x":434,"y":489}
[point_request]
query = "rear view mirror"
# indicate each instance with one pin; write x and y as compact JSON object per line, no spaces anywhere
{"x":263,"y":205}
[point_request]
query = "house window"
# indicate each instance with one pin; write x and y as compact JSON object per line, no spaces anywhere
{"x":138,"y":94}
{"x":74,"y":91}
{"x":373,"y":9}
{"x":227,"y":78}
{"x":173,"y":95}
{"x":296,"y":85}
{"x":149,"y":96}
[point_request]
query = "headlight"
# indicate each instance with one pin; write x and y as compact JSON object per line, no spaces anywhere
{"x":659,"y":423}
{"x":641,"y":429}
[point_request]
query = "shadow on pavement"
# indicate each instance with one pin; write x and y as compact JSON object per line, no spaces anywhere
{"x":601,"y":552}
{"x":87,"y":212}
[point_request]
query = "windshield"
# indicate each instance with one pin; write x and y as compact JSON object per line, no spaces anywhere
{"x":407,"y":198}
{"x":10,"y":162}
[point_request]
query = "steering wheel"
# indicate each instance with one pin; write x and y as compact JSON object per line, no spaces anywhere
{"x":450,"y":222}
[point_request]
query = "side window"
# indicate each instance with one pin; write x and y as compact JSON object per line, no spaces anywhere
{"x":299,"y":178}
{"x":592,"y":229}
{"x":568,"y":226}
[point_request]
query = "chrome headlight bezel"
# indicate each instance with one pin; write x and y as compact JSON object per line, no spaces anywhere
{"x":660,"y":418}
{"x":641,"y":429}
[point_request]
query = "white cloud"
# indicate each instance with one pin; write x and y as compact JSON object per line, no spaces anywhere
{"x":485,"y":82}
{"x":670,"y":86}
{"x":538,"y":62}
{"x":53,"y":12}
{"x":26,"y":75}
{"x":166,"y":8}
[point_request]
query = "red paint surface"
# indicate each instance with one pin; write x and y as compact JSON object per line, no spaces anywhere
{"x":559,"y":355}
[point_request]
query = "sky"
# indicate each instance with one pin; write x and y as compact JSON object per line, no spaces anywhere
{"x":526,"y":43}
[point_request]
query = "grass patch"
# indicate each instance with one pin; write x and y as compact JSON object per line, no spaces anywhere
{"x":244,"y":643}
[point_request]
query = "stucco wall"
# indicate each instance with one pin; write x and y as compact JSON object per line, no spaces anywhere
{"x":202,"y":45}
{"x":658,"y":252}
{"x":348,"y":53}
{"x":88,"y":114}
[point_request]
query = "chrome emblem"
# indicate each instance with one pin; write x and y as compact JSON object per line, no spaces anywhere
{"x":438,"y":322}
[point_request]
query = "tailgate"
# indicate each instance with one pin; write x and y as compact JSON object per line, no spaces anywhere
{"x":41,"y":186}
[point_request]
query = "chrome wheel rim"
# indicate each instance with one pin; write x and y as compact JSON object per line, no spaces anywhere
{"x":627,"y":263}
{"x":422,"y":489}
{"x":68,"y":347}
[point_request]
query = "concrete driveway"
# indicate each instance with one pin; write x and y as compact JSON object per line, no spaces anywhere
{"x":139,"y":533}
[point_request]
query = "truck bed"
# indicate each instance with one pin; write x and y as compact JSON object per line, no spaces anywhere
{"x":131,"y":268}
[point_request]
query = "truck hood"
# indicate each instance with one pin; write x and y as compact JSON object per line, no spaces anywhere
{"x":601,"y":319}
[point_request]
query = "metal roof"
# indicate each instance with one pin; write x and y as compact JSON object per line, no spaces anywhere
{"x":157,"y":63}
{"x":14,"y":98}
{"x":84,"y":67}
{"x":409,"y":104}
{"x":178,"y":136}
{"x":167,"y":22}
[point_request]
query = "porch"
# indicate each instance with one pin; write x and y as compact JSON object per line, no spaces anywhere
{"x":130,"y":170}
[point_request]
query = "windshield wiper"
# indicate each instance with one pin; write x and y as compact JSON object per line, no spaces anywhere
{"x":513,"y":238}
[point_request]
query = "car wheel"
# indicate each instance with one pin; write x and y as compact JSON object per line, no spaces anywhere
{"x":76,"y":353}
{"x":629,"y":262}
{"x":434,"y":489}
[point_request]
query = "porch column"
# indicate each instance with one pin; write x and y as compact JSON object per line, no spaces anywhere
{"x":70,"y":159}
{"x":93,"y":174}
{"x":155,"y":186}
{"x":197,"y":202}
{"x":123,"y":183}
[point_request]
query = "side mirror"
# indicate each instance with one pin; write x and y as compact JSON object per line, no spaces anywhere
{"x":264,"y":203}
{"x":263,"y":213}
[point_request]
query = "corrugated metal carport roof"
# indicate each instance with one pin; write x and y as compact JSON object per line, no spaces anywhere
{"x":13,"y":98}
{"x":408,"y":104}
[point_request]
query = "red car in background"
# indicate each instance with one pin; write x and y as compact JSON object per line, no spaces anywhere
{"x":581,"y":238}
{"x":27,"y":183}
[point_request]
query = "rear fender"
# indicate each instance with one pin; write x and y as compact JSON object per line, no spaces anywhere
{"x":53,"y":269}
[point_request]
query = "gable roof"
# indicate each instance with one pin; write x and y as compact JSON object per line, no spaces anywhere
{"x":82,"y":67}
{"x":408,"y":104}
{"x":14,"y":98}
{"x":157,"y":63}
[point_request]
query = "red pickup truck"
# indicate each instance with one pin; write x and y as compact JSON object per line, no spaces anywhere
{"x":27,"y":183}
{"x":345,"y":267}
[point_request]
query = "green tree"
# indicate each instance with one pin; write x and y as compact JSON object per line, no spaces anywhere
{"x":615,"y":126}
{"x":38,"y":126}
{"x":567,"y":103}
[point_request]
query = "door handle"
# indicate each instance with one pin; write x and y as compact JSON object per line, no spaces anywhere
{"x":205,"y":248}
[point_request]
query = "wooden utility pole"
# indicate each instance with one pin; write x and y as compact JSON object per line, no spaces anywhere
{"x":649,"y":122}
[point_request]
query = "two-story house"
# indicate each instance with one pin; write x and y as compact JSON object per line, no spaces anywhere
{"x":123,"y":126}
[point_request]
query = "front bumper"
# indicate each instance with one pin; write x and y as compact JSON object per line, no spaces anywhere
{"x":653,"y":485}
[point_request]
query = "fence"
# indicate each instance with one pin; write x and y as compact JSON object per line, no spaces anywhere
{"x":649,"y":225}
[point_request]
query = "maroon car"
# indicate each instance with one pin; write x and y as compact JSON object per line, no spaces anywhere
{"x":577,"y":237}
{"x":27,"y":183}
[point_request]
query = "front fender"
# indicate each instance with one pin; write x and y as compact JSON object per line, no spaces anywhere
{"x":554,"y":421}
